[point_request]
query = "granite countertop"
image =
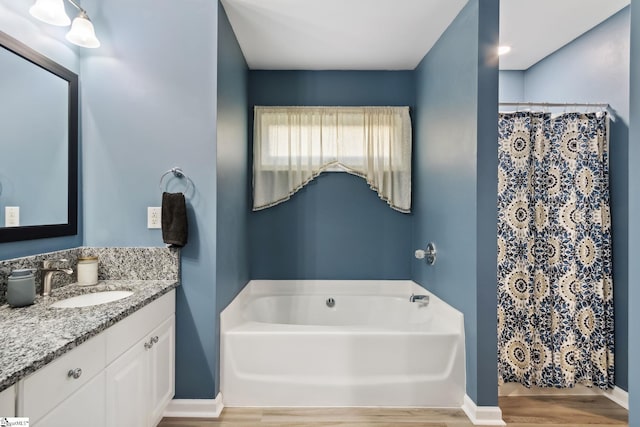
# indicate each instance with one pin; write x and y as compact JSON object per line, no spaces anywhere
{"x":35,"y":335}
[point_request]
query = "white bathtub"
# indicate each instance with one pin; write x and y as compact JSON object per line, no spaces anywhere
{"x":281,"y":345}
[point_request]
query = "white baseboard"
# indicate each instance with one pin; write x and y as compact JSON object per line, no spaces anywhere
{"x":478,"y":415}
{"x":616,"y":394}
{"x":195,"y":408}
{"x":619,"y":396}
{"x":482,"y":415}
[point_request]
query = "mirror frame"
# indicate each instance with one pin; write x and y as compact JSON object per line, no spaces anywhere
{"x":12,"y":234}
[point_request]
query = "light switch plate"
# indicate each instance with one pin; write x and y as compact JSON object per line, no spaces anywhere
{"x":12,"y":216}
{"x":154,"y":217}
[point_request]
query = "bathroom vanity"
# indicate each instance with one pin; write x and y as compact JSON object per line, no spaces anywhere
{"x":103,"y":365}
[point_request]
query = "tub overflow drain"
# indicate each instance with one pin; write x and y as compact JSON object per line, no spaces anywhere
{"x":331,"y":302}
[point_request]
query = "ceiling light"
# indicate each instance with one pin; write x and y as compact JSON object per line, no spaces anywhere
{"x":52,"y":12}
{"x":82,"y":32}
{"x":504,"y":50}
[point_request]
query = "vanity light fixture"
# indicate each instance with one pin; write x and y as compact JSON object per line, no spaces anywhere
{"x":52,"y":12}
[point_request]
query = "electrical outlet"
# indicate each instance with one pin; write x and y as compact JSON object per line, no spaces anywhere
{"x":154,"y":217}
{"x":12,"y":216}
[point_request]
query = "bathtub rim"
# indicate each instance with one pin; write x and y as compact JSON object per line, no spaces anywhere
{"x":232,"y":315}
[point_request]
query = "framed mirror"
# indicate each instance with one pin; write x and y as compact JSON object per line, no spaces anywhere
{"x":38,"y":145}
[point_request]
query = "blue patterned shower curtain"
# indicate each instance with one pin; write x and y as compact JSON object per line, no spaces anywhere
{"x":555,"y":292}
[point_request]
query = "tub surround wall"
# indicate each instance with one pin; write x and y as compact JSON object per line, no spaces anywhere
{"x":595,"y":68}
{"x":455,"y":183}
{"x":336,"y":227}
{"x":113,"y":264}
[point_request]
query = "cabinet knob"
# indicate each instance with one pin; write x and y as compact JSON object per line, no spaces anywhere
{"x":74,"y":373}
{"x":151,"y":342}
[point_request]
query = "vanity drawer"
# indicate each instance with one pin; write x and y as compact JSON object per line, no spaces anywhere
{"x":124,"y":334}
{"x":46,"y":388}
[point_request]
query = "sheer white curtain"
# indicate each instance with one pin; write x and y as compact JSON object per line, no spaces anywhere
{"x":293,"y":145}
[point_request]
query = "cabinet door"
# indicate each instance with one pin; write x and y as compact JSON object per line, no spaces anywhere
{"x":161,"y":367}
{"x":83,"y":408}
{"x":128,"y":388}
{"x":8,"y":402}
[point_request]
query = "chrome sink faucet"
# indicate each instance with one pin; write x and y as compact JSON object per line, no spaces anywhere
{"x":47,"y":274}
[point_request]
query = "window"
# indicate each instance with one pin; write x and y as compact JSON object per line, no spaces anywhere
{"x":292,"y":145}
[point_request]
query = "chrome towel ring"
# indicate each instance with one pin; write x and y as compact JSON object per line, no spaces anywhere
{"x":178,"y":173}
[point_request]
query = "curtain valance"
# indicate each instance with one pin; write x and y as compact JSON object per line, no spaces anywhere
{"x":293,"y":145}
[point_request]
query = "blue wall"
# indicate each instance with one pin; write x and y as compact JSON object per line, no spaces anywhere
{"x":232,"y":272}
{"x":634,"y":212}
{"x":48,"y":40}
{"x":511,"y":86}
{"x":149,"y":103}
{"x":487,"y":200}
{"x":455,"y":182}
{"x":336,"y":227}
{"x":595,"y":68}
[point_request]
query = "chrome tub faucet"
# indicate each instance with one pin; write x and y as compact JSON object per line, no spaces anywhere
{"x":422,"y":299}
{"x":47,"y":274}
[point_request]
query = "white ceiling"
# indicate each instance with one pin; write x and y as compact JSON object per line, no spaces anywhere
{"x":338,"y":34}
{"x":396,"y":34}
{"x":536,"y":28}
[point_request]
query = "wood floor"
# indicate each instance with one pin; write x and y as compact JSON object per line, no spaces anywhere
{"x":548,"y":411}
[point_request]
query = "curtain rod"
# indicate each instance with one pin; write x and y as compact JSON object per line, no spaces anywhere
{"x":603,"y":105}
{"x":552,"y":104}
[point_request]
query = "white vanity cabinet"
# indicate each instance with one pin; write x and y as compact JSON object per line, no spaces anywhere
{"x":122,"y":377}
{"x":8,"y":402}
{"x":140,"y":383}
{"x":140,"y":374}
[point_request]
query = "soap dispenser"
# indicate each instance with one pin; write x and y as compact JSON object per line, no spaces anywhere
{"x":21,"y":287}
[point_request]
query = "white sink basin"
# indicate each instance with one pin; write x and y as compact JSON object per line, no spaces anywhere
{"x":91,"y":299}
